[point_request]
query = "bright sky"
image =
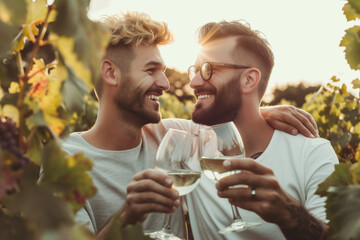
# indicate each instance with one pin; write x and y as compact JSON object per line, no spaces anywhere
{"x":304,"y":34}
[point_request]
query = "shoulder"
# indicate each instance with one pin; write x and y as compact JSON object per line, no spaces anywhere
{"x":301,"y":140}
{"x":73,"y":143}
{"x":309,"y":148}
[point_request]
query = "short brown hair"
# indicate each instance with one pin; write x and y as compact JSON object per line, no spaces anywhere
{"x":132,"y":29}
{"x":248,"y":39}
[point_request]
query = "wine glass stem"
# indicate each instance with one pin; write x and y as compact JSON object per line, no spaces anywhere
{"x":166,"y":225}
{"x":236,"y":214}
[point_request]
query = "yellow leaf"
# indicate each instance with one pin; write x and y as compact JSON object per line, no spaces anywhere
{"x":37,"y":11}
{"x":71,"y":162}
{"x":355,"y":172}
{"x":5,"y":14}
{"x":44,"y":95}
{"x":66,"y":47}
{"x":357,"y":156}
{"x":29,"y":31}
{"x":39,"y":80}
{"x":55,"y":123}
{"x":12,"y":112}
{"x":14,"y":87}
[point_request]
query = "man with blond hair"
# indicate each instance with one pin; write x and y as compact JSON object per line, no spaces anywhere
{"x":124,"y":139}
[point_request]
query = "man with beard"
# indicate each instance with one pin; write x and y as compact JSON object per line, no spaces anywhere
{"x":278,"y":179}
{"x":122,"y":143}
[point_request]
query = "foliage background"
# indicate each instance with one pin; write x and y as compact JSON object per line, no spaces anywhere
{"x":49,"y":57}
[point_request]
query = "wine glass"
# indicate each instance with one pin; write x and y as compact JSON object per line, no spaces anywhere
{"x":217,"y":144}
{"x":177,"y":156}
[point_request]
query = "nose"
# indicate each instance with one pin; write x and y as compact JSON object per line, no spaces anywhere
{"x":197,"y":81}
{"x":163,"y":82}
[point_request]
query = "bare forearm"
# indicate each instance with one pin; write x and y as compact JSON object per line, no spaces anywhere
{"x":305,"y":226}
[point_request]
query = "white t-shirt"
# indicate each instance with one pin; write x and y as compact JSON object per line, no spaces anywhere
{"x":299,"y":165}
{"x":112,"y":172}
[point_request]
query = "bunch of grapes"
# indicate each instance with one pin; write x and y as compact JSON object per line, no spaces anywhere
{"x":9,"y":135}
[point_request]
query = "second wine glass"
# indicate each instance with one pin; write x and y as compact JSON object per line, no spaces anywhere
{"x":217,"y":144}
{"x":176,"y":156}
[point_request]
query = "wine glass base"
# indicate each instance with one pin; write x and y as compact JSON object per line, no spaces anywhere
{"x":161,"y":235}
{"x":238,"y":226}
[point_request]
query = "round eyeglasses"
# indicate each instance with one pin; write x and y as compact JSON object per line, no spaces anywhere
{"x":206,"y":69}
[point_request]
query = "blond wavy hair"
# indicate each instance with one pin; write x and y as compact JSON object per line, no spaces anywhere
{"x":128,"y":30}
{"x":134,"y":28}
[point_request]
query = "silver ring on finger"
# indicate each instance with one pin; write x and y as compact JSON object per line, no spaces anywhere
{"x":253,"y":193}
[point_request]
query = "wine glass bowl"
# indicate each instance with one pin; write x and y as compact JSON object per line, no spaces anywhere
{"x":217,"y":144}
{"x":177,"y":156}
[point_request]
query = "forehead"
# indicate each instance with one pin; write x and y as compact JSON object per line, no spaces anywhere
{"x":219,"y":50}
{"x":145,"y":55}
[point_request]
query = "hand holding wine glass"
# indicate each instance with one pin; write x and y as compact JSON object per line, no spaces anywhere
{"x":217,"y":144}
{"x":177,"y":157}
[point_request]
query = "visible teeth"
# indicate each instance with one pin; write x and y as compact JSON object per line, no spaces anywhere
{"x":204,"y":96}
{"x":154,"y":97}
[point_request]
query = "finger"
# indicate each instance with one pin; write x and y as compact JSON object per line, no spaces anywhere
{"x":303,"y":123}
{"x":155,"y":175}
{"x":148,"y":185}
{"x":310,"y":120}
{"x":285,"y":127}
{"x":151,"y":197}
{"x":293,"y":126}
{"x":255,"y":181}
{"x":239,"y":193}
{"x":247,"y":164}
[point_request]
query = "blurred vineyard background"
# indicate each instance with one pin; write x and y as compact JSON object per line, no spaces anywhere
{"x":49,"y":57}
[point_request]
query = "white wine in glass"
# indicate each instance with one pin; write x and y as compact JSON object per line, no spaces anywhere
{"x":176,"y":156}
{"x":217,"y":144}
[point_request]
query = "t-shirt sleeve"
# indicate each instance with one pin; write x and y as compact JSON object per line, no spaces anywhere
{"x":182,"y":124}
{"x":320,"y":163}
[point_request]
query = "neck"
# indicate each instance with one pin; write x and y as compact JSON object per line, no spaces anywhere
{"x":254,"y":130}
{"x":112,"y":131}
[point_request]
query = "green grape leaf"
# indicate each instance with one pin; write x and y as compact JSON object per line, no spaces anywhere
{"x":350,"y":12}
{"x":67,"y":175}
{"x":73,"y":91}
{"x":351,"y":42}
{"x":343,"y":210}
{"x":344,"y":139}
{"x":38,"y":204}
{"x":355,"y":4}
{"x":14,"y":227}
{"x":340,"y":177}
{"x":75,"y":232}
{"x":7,"y":33}
{"x":34,"y":149}
{"x":90,"y":38}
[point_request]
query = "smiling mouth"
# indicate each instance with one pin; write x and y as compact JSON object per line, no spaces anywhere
{"x":203,"y":96}
{"x":153,"y":97}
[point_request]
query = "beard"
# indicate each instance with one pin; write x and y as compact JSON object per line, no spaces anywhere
{"x":224,"y":108}
{"x":131,"y":99}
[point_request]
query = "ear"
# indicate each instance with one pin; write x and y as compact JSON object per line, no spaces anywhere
{"x":110,"y":73}
{"x":250,"y":80}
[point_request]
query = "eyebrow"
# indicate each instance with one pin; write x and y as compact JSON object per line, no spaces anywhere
{"x":155,"y":63}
